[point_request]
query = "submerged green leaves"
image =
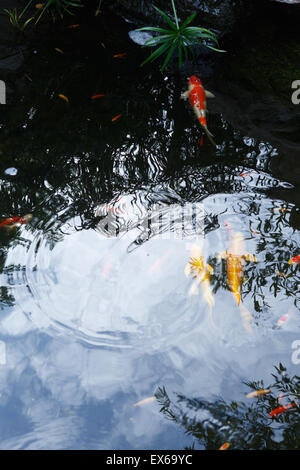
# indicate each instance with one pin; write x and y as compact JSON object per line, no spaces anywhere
{"x":54,"y":7}
{"x":182,"y":37}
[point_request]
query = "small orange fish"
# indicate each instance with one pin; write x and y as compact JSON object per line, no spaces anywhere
{"x":103,"y":45}
{"x":95,"y":97}
{"x":282,"y":320}
{"x":280,"y":274}
{"x":280,"y":398}
{"x":295,"y":260}
{"x":72,"y":26}
{"x":116,"y":117}
{"x":63,"y":97}
{"x":59,"y":50}
{"x":257,"y":393}
{"x":106,"y":269}
{"x":225,"y":446}
{"x":281,"y":409}
{"x":120,"y":56}
{"x":280,"y":209}
{"x":38,"y":6}
{"x":254,"y":232}
{"x":244,"y":174}
{"x":160,"y":262}
{"x":144,"y":402}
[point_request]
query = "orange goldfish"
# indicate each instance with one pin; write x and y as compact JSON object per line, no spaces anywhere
{"x":95,"y":97}
{"x":120,"y":56}
{"x":116,"y":117}
{"x":72,"y":26}
{"x":59,"y":50}
{"x":160,"y":262}
{"x":63,"y":97}
{"x":197,"y":96}
{"x":225,"y":446}
{"x":281,"y":409}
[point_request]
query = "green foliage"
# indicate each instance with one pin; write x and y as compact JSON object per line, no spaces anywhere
{"x":54,"y":7}
{"x":244,"y":426}
{"x":15,"y":19}
{"x":182,"y":38}
{"x":59,"y":7}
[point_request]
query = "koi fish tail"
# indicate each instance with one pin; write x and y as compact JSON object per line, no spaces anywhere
{"x":209,"y":135}
{"x":237,"y":297}
{"x":246,"y":318}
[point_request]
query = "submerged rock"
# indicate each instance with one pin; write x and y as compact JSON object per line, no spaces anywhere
{"x":221,"y":15}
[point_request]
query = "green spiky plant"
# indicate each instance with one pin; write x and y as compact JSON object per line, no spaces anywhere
{"x":182,"y":38}
{"x":15,"y":18}
{"x":59,"y":7}
{"x":54,"y":7}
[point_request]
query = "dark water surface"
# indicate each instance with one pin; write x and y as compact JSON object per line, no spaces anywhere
{"x":96,"y":311}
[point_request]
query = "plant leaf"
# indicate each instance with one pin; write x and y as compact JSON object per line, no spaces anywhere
{"x":188,"y":21}
{"x":170,"y":23}
{"x":156,"y":53}
{"x":153,"y":28}
{"x":169,"y":55}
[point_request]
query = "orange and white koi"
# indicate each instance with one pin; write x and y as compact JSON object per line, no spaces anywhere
{"x":235,"y":265}
{"x":281,"y":409}
{"x":197,"y":96}
{"x":258,"y":393}
{"x":295,"y":260}
{"x":13,"y":222}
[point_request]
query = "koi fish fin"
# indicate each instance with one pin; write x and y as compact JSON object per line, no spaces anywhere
{"x":249,"y":257}
{"x":185,"y":95}
{"x":223,"y":255}
{"x":209,"y":135}
{"x":194,"y":290}
{"x":209,"y":94}
{"x":210,"y":269}
{"x":188,"y":269}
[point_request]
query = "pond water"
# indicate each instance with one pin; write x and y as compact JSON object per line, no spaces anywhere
{"x":96,"y":308}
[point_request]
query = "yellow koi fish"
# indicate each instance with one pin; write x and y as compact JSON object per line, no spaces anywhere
{"x":235,"y":265}
{"x":201,"y":271}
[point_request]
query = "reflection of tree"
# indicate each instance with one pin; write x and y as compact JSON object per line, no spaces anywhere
{"x":72,"y":158}
{"x":244,"y":426}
